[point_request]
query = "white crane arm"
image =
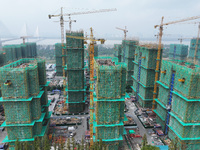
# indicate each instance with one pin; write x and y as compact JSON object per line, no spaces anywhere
{"x":90,"y":12}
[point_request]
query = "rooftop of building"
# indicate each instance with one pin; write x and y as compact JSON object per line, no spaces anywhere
{"x":105,"y":62}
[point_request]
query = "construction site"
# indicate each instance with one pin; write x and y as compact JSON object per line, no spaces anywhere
{"x":145,"y":95}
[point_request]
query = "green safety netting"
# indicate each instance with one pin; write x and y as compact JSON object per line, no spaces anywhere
{"x":163,"y":93}
{"x":23,"y":75}
{"x":192,"y":52}
{"x":118,"y":49}
{"x":41,"y":71}
{"x":76,"y":96}
{"x":161,"y":111}
{"x":108,"y":84}
{"x":160,"y":121}
{"x":178,"y":49}
{"x":109,"y":132}
{"x":59,"y":61}
{"x":187,"y":144}
{"x":183,"y":70}
{"x":130,"y":65}
{"x":129,"y":48}
{"x":184,"y":130}
{"x":129,"y":75}
{"x":18,"y":112}
{"x":147,"y":76}
{"x":75,"y":58}
{"x":189,"y":110}
{"x":109,"y":112}
{"x":2,"y":58}
{"x":58,"y":49}
{"x":74,"y":42}
{"x":75,"y":79}
{"x":20,"y":132}
{"x":76,"y":107}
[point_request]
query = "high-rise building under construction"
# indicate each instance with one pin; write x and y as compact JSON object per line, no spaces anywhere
{"x":24,"y":96}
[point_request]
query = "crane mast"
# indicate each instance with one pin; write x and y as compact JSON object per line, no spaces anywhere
{"x":159,"y":50}
{"x":197,"y":44}
{"x":125,"y":31}
{"x":91,"y":53}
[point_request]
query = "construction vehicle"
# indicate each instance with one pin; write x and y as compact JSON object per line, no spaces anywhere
{"x":91,"y":51}
{"x":125,"y":31}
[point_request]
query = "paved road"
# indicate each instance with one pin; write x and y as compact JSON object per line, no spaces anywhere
{"x":131,"y":112}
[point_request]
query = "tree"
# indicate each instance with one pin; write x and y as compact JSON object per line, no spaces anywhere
{"x":100,"y":144}
{"x":73,"y":143}
{"x":17,"y":145}
{"x":46,"y":143}
{"x":150,"y":147}
{"x":87,"y":146}
{"x":62,"y":144}
{"x":68,"y":143}
{"x":54,"y":143}
{"x":37,"y":143}
{"x":82,"y":144}
{"x":26,"y":146}
{"x":144,"y":140}
{"x":174,"y":144}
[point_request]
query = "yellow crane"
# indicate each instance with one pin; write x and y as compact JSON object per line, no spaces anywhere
{"x":91,"y":51}
{"x":159,"y":50}
{"x":125,"y":31}
{"x":181,"y":39}
{"x":61,"y":15}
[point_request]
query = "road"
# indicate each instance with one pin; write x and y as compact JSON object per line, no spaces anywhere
{"x":142,"y":130}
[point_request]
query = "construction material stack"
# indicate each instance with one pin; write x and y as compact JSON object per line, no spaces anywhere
{"x":75,"y":72}
{"x":178,"y":103}
{"x":144,"y":74}
{"x":58,"y":53}
{"x":178,"y":51}
{"x":109,"y":102}
{"x":118,"y":50}
{"x":24,"y":96}
{"x":191,"y":54}
{"x":129,"y":53}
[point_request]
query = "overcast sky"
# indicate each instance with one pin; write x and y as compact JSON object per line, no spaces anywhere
{"x":139,"y":16}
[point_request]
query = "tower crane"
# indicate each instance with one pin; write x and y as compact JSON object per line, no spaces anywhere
{"x":158,"y":63}
{"x":196,"y":47}
{"x":92,"y":42}
{"x":181,"y":39}
{"x":159,"y":49}
{"x":61,"y":15}
{"x":125,"y":31}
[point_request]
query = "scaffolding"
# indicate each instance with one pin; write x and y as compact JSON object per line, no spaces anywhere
{"x":12,"y":53}
{"x":178,"y":51}
{"x":59,"y":56}
{"x":109,"y":101}
{"x":127,"y":54}
{"x":118,"y":51}
{"x":178,"y":102}
{"x":26,"y":108}
{"x":144,"y":74}
{"x":74,"y":67}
